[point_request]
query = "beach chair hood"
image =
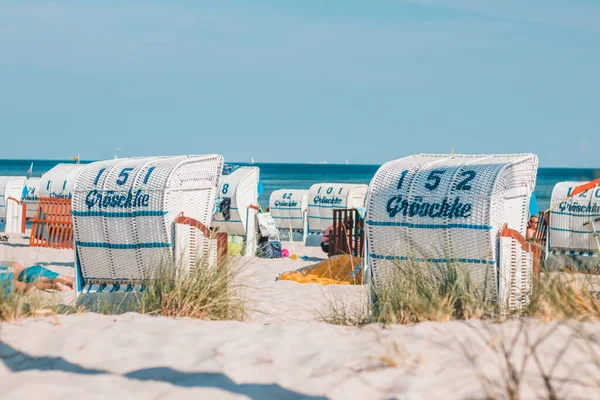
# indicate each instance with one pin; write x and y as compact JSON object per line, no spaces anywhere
{"x":124,"y":211}
{"x":433,"y":208}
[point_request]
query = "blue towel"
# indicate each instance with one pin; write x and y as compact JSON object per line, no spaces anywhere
{"x":35,"y":272}
{"x":533,"y":206}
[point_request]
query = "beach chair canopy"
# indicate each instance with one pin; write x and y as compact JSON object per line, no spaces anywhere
{"x":59,"y":181}
{"x":570,"y":228}
{"x":31,"y":196}
{"x":433,"y":208}
{"x":10,"y":186}
{"x":288,"y":208}
{"x":323,"y":198}
{"x":239,"y":190}
{"x":124,"y":211}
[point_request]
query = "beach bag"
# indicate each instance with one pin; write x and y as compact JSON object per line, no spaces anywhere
{"x":269,"y":250}
{"x":266,"y":225}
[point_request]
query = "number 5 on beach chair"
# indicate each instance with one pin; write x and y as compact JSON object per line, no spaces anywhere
{"x":440,"y":209}
{"x":124,"y":213}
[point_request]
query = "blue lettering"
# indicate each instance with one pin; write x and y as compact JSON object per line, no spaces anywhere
{"x":397,"y":205}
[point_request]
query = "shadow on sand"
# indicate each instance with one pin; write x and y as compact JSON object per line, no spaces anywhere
{"x":18,"y":361}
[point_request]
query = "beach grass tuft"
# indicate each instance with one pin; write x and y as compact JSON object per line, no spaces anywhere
{"x":203,"y":293}
{"x":415,"y":292}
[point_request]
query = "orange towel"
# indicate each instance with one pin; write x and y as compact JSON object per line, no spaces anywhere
{"x":337,"y":270}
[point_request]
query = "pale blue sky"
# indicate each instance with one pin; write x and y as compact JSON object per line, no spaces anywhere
{"x":299,"y":81}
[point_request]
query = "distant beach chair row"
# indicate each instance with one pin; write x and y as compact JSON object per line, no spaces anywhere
{"x":310,"y":212}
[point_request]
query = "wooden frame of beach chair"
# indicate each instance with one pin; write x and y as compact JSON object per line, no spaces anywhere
{"x":440,"y":208}
{"x":52,"y":225}
{"x":289,"y":209}
{"x":196,"y":246}
{"x":241,"y":186}
{"x":124,"y":212}
{"x":348,"y":234}
{"x":323,"y":198}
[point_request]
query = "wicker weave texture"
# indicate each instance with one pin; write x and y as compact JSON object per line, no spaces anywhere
{"x":432,"y":208}
{"x":516,"y":265}
{"x":60,"y":180}
{"x":289,"y":208}
{"x":124,"y":209}
{"x":193,"y":249}
{"x":241,"y":186}
{"x":323,"y":198}
{"x":566,"y":225}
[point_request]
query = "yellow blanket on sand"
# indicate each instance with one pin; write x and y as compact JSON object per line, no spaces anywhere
{"x":340,"y":270}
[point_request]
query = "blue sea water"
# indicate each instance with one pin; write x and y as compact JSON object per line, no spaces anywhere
{"x":302,"y":176}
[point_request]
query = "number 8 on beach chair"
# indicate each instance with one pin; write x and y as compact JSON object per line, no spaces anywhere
{"x":237,"y":202}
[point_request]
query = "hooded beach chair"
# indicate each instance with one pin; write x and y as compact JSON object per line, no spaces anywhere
{"x":574,"y":227}
{"x":124,"y":212}
{"x":289,"y":209}
{"x":237,"y":205}
{"x":464,"y":210}
{"x":323,"y":198}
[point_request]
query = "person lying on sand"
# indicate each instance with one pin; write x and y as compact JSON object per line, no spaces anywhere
{"x":39,"y":277}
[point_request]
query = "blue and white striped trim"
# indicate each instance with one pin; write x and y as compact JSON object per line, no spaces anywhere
{"x":274,"y":217}
{"x":124,"y":246}
{"x":575,"y":214}
{"x":571,"y":231}
{"x":285,"y":208}
{"x":429,"y":226}
{"x":432,"y":260}
{"x":120,"y":214}
{"x":112,"y":288}
{"x":310,"y":216}
{"x":327,"y":206}
{"x":573,"y":253}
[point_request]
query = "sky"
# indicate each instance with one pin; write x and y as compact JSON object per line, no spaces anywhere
{"x":300,"y":81}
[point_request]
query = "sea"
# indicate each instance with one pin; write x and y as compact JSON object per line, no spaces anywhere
{"x":302,"y":176}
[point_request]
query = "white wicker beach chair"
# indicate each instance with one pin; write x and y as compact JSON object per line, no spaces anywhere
{"x":449,"y":209}
{"x":11,"y":187}
{"x":32,"y":197}
{"x":124,"y":211}
{"x":289,"y":209}
{"x":59,"y":181}
{"x":323,"y":198}
{"x":571,"y":224}
{"x":3,"y":180}
{"x":241,"y":188}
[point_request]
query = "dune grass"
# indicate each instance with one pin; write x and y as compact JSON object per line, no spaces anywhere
{"x":417,"y":292}
{"x":202,"y":293}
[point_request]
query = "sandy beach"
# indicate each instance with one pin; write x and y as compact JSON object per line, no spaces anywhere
{"x":282,"y":351}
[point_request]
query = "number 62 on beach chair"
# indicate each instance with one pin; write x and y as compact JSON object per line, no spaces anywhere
{"x":124,"y":212}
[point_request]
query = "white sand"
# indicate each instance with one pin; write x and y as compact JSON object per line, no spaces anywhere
{"x":282,"y":353}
